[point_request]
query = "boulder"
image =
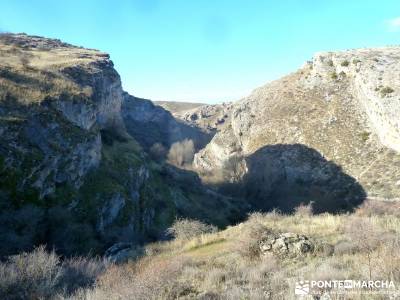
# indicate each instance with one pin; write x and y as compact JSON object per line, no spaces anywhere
{"x":286,"y":244}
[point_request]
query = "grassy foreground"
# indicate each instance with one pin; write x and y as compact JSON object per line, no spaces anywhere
{"x":227,"y":264}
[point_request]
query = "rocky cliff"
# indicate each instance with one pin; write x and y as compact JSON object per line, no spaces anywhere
{"x":74,"y":166}
{"x":149,"y":124}
{"x":342,"y":105}
{"x":74,"y":172}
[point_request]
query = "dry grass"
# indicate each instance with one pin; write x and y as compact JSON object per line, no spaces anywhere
{"x":228,"y":265}
{"x":41,"y":275}
{"x":32,"y":75}
{"x":304,"y":210}
{"x":379,"y":208}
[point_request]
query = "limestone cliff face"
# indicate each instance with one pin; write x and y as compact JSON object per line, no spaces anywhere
{"x":40,"y":77}
{"x":372,"y":74}
{"x":74,"y":173}
{"x":103,"y":106}
{"x":345,"y":105}
{"x":58,"y":104}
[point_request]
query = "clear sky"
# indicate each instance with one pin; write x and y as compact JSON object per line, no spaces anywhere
{"x":206,"y":50}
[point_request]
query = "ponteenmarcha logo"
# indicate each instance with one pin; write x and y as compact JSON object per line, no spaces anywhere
{"x":314,"y":287}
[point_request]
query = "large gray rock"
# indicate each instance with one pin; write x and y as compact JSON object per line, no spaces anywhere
{"x":286,"y":244}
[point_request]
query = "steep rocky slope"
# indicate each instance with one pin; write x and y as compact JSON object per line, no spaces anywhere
{"x":74,"y":168}
{"x":342,"y":105}
{"x":150,"y":124}
{"x":74,"y":173}
{"x":206,"y":118}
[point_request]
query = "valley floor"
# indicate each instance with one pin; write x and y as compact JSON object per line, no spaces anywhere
{"x":228,"y":264}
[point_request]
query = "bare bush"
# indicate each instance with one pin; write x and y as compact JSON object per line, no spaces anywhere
{"x":247,"y":244}
{"x":304,"y":210}
{"x":186,"y":229}
{"x":366,"y":236}
{"x":30,"y":275}
{"x":41,"y":275}
{"x":81,"y":272}
{"x":181,"y":153}
{"x":388,"y":260}
{"x":274,"y":215}
{"x":145,"y":279}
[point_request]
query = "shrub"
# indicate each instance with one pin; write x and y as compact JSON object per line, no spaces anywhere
{"x":388,"y":261}
{"x":345,"y":63}
{"x":365,"y":136}
{"x":363,"y":233}
{"x":333,"y":75}
{"x":81,"y":272}
{"x":330,"y":63}
{"x":30,"y":275}
{"x":386,"y":91}
{"x":366,"y":236}
{"x":41,"y":275}
{"x":186,"y":229}
{"x":181,"y":153}
{"x":145,"y":279}
{"x":304,"y":210}
{"x":247,"y":243}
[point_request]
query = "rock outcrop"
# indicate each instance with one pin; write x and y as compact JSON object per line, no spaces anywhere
{"x":59,"y":104}
{"x":286,"y":244}
{"x":343,"y":105}
{"x":73,"y":147}
{"x":74,"y":172}
{"x":47,"y":115}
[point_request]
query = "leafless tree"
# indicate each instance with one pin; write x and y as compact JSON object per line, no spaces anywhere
{"x":181,"y":153}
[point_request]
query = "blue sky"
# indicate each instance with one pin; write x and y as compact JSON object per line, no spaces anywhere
{"x":206,"y":50}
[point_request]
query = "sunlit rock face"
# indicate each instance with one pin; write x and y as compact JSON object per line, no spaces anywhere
{"x":74,"y":169}
{"x":344,"y":105}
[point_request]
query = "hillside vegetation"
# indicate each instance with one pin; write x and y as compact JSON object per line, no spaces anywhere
{"x":104,"y":195}
{"x":344,"y":105}
{"x":75,"y":172}
{"x":229,"y":264}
